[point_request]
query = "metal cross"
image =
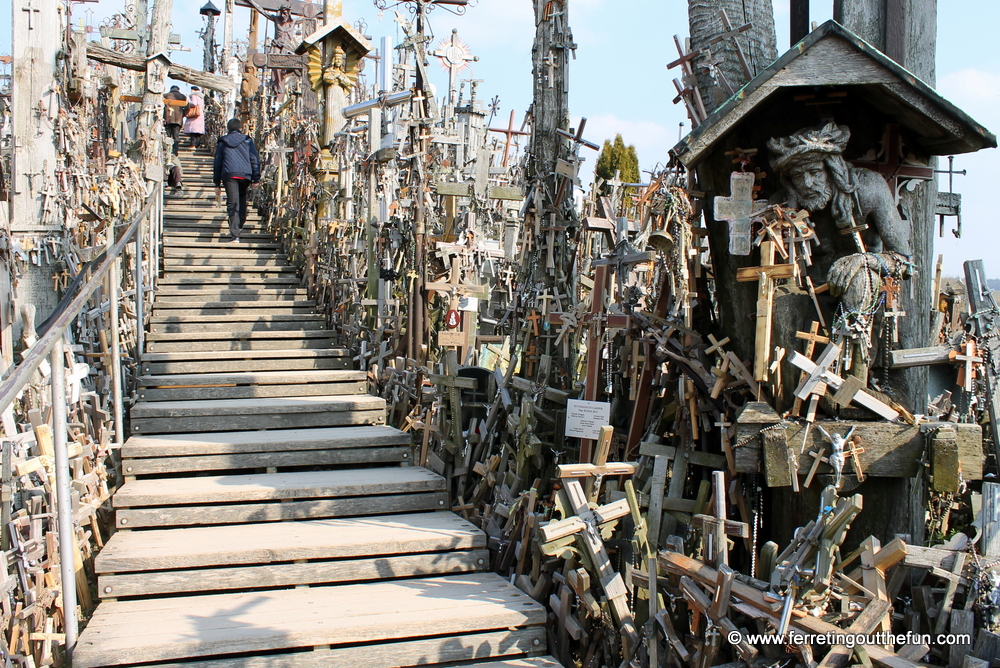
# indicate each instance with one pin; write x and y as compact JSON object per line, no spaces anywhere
{"x":456,"y":57}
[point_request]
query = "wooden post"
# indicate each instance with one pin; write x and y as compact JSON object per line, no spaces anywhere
{"x":799,"y":20}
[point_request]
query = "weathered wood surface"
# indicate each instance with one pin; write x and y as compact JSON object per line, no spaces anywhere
{"x":305,"y":343}
{"x":259,"y":460}
{"x":168,"y":445}
{"x":200,"y":547}
{"x":891,"y":450}
{"x":250,"y":360}
{"x":284,"y":511}
{"x":244,"y":406}
{"x":260,"y":487}
{"x":405,"y":653}
{"x":180,"y":325}
{"x":136,"y":62}
{"x":245,"y":578}
{"x":167,"y":629}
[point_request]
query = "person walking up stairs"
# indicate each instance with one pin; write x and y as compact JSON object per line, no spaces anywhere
{"x":237,"y":166}
{"x":269,"y":518}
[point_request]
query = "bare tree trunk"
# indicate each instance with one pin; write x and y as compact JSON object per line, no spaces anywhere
{"x":151,"y":121}
{"x":758,"y":44}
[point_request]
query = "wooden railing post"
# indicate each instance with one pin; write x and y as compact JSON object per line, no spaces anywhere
{"x":114,"y":280}
{"x":139,"y":281}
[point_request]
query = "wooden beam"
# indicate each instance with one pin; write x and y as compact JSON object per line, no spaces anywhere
{"x":137,"y":63}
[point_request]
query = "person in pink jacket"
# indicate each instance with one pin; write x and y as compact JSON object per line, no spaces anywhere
{"x":194,"y":118}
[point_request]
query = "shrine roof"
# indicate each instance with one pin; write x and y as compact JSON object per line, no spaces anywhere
{"x":356,"y":39}
{"x":832,"y":55}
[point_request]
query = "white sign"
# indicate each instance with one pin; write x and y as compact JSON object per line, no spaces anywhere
{"x":584,"y":419}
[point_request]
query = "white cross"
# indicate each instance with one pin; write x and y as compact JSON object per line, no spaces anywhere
{"x":32,"y":10}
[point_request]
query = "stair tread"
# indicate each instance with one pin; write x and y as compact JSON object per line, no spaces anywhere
{"x":217,"y":624}
{"x":192,"y":547}
{"x":254,"y":377}
{"x":235,"y":303}
{"x":276,"y":486}
{"x":279,"y":440}
{"x":242,"y":355}
{"x":258,"y":406}
{"x":248,"y":334}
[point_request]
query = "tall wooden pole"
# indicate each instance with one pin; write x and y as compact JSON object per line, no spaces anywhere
{"x":799,"y":20}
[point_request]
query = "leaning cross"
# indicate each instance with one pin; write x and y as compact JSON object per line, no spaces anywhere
{"x":737,"y":209}
{"x":812,"y":337}
{"x":586,"y":526}
{"x":819,"y":374}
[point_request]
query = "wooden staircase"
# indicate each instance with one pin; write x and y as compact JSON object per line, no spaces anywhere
{"x":269,"y":518}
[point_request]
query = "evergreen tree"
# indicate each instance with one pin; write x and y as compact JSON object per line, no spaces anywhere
{"x":618,"y":157}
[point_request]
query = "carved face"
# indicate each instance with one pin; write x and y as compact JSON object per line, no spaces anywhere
{"x":285,"y":13}
{"x":811,"y":184}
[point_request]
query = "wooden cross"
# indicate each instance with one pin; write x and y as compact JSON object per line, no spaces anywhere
{"x":585,"y":525}
{"x":765,"y":276}
{"x":509,"y":132}
{"x":578,"y":137}
{"x":737,"y":209}
{"x":716,"y":527}
{"x":594,"y":319}
{"x":453,"y":382}
{"x":685,"y":60}
{"x":894,"y":166}
{"x":967,"y":372}
{"x":594,"y":473}
{"x":854,"y":452}
{"x":891,"y":288}
{"x":812,"y":337}
{"x":716,"y":346}
{"x":732,"y":33}
{"x":819,"y":374}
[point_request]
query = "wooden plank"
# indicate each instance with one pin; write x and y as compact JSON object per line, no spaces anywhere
{"x":891,"y":450}
{"x":263,"y":334}
{"x":270,"y":441}
{"x":259,"y":460}
{"x":211,"y":366}
{"x":291,"y":354}
{"x":186,"y":627}
{"x":178,"y":516}
{"x":302,"y":343}
{"x":335,"y":402}
{"x":403,"y":653}
{"x":201,"y":547}
{"x":251,"y":391}
{"x":276,"y":486}
{"x":273,"y":419}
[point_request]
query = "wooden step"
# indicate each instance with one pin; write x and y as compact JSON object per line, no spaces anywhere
{"x":199,"y":246}
{"x":201,"y":386}
{"x":251,"y":281}
{"x":354,"y":621}
{"x":277,"y":497}
{"x":221,"y":258}
{"x":229,"y":324}
{"x":225,"y":293}
{"x":144,"y":563}
{"x":155,"y":364}
{"x":229,"y":270}
{"x":223,"y":250}
{"x":278,"y":449}
{"x":294,"y":340}
{"x":332,"y":410}
{"x":202,"y":233}
{"x":251,"y":308}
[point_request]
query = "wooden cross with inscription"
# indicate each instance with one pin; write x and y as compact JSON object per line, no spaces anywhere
{"x":595,"y":319}
{"x":737,"y":209}
{"x":509,"y":132}
{"x":594,"y":473}
{"x":586,"y":526}
{"x":765,"y":275}
{"x":819,"y":375}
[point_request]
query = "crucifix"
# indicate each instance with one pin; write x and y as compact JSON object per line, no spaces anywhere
{"x":716,"y":527}
{"x":895,"y":166}
{"x":452,"y":382}
{"x":509,"y":132}
{"x":455,"y":57}
{"x":737,"y":209}
{"x":836,"y":458}
{"x":765,"y":275}
{"x":585,"y":525}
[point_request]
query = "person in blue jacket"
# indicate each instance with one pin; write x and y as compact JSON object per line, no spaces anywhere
{"x":237,"y":166}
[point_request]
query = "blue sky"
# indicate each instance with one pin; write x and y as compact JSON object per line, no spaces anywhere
{"x":620,"y":83}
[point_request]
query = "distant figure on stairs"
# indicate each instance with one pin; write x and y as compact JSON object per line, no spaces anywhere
{"x":194,"y":118}
{"x":175,"y":176}
{"x":237,"y":166}
{"x":173,"y":115}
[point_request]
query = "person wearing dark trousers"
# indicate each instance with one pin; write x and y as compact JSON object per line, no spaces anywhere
{"x":237,"y":166}
{"x":173,"y":116}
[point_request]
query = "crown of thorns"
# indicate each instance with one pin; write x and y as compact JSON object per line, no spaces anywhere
{"x":807,"y":145}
